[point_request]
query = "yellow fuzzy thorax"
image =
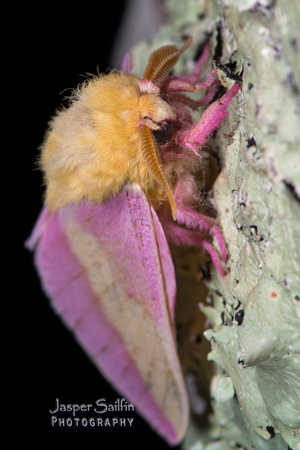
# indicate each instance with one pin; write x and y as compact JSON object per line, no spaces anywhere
{"x":94,"y":148}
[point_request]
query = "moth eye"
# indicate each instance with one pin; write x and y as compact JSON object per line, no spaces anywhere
{"x":164,"y":134}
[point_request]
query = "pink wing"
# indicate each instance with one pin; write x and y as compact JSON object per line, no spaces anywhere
{"x":110,"y":276}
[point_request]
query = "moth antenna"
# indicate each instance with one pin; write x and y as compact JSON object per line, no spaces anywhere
{"x":152,"y":159}
{"x":162,"y":61}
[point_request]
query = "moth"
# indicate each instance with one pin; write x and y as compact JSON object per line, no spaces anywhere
{"x":119,"y":168}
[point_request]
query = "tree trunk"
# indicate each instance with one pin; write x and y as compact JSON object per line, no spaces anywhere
{"x":254,"y":312}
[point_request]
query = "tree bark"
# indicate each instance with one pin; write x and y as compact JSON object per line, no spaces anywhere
{"x":254,"y":312}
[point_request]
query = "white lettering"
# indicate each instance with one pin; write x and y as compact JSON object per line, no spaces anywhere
{"x":56,"y":407}
{"x":53,"y":420}
{"x":84,"y":422}
{"x":92,"y":422}
{"x":69,"y":422}
{"x":101,"y":402}
{"x":75,"y":409}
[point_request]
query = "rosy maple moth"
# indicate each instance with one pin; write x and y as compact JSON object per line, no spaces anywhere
{"x":118,"y":167}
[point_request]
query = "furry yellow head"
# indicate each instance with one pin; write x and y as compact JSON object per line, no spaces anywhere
{"x":104,"y":140}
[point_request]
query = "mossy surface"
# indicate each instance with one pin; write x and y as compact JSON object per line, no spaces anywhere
{"x":254,"y":312}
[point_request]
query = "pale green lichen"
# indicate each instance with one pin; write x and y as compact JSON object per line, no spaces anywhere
{"x":224,"y":390}
{"x":256,"y":198}
{"x":255,"y":389}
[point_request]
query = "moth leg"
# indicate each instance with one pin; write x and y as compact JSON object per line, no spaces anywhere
{"x":192,"y":103}
{"x":186,"y":215}
{"x":190,"y":83}
{"x":195,"y":224}
{"x":183,"y":236}
{"x":184,"y":84}
{"x":126,"y":63}
{"x":200,"y":63}
{"x":193,"y":219}
{"x":210,"y":120}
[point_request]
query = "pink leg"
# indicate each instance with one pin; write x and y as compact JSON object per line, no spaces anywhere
{"x":194,"y":220}
{"x":209,"y":122}
{"x":189,"y":83}
{"x":209,"y":96}
{"x":126,"y":63}
{"x":201,"y":62}
{"x":194,"y":104}
{"x":184,"y":84}
{"x":183,"y":195}
{"x":182,"y":236}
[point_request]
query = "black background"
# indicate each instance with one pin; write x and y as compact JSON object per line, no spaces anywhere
{"x":49,"y":51}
